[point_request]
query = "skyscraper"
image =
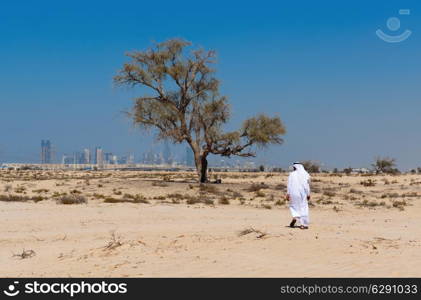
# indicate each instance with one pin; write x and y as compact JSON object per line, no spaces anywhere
{"x":45,"y":152}
{"x":87,"y":156}
{"x":78,"y":158}
{"x":130,"y":158}
{"x":99,"y":156}
{"x":108,"y":157}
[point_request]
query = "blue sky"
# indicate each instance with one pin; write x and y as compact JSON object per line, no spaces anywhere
{"x":345,"y":95}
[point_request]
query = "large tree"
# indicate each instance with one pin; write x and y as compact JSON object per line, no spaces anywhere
{"x":181,"y":100}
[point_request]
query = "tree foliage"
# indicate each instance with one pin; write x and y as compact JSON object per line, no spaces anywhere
{"x":311,"y":166}
{"x":385,"y":165}
{"x":182,"y":101}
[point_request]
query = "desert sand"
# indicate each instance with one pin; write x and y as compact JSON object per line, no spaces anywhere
{"x":361,"y":226}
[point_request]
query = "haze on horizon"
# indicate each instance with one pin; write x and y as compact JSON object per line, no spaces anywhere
{"x":344,"y":95}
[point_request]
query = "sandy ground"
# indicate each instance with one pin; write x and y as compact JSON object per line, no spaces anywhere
{"x":356,"y":230}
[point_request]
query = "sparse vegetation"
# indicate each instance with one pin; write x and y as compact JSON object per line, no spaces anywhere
{"x":368,"y":182}
{"x":14,"y":198}
{"x":255,"y":187}
{"x":385,"y":165}
{"x":311,"y":166}
{"x":259,"y":233}
{"x":25,"y":254}
{"x":72,"y":199}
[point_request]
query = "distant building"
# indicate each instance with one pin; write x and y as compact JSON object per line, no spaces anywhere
{"x":87,"y":156}
{"x":67,"y":160}
{"x":108,"y":158}
{"x":45,"y":152}
{"x":77,"y":158}
{"x":99,"y":156}
{"x":152,"y":158}
{"x":122,"y":160}
{"x":130,"y":159}
{"x":189,"y":157}
{"x":360,"y":171}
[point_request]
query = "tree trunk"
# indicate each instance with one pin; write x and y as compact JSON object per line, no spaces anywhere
{"x":203,"y":169}
{"x":201,"y":162}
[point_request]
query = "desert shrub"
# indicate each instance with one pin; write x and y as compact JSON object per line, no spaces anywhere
{"x":324,"y":201}
{"x":385,"y":165}
{"x":355,"y":191}
{"x":115,"y":242}
{"x":72,"y":199}
{"x":370,"y":204}
{"x":281,"y":187}
{"x":8,"y":188}
{"x":207,"y":201}
{"x":266,"y":206}
{"x":280,"y":202}
{"x":255,"y":187}
{"x":166,"y":178}
{"x":390,"y":195}
{"x":315,"y":189}
{"x":39,"y":191}
{"x":58,"y":194}
{"x":193,"y":200}
{"x":368,"y":182}
{"x":159,"y":183}
{"x":329,"y":193}
{"x":115,"y":200}
{"x":25,"y":254}
{"x":235,"y":194}
{"x":38,"y":198}
{"x":260,"y":194}
{"x":311,"y":166}
{"x":207,"y":188}
{"x":223,"y":200}
{"x":347,"y":171}
{"x":14,"y":198}
{"x":400,"y":204}
{"x":140,"y":199}
{"x":98,"y":196}
{"x":20,"y":189}
{"x":271,"y":198}
{"x":259,"y":233}
{"x":175,"y":196}
{"x":410,"y":194}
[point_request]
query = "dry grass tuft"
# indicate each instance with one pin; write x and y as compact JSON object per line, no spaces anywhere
{"x":255,"y":187}
{"x":259,"y":233}
{"x":115,"y":242}
{"x":25,"y":254}
{"x":72,"y":199}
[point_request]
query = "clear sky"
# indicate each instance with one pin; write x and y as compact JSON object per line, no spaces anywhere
{"x":344,"y":94}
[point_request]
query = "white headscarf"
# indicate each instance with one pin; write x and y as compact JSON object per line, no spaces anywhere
{"x":301,"y":172}
{"x":299,"y":180}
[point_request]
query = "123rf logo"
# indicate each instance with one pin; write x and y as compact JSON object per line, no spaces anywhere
{"x":11,"y":290}
{"x":70,"y":289}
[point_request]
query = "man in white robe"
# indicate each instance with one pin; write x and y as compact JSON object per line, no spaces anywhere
{"x":298,"y":194}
